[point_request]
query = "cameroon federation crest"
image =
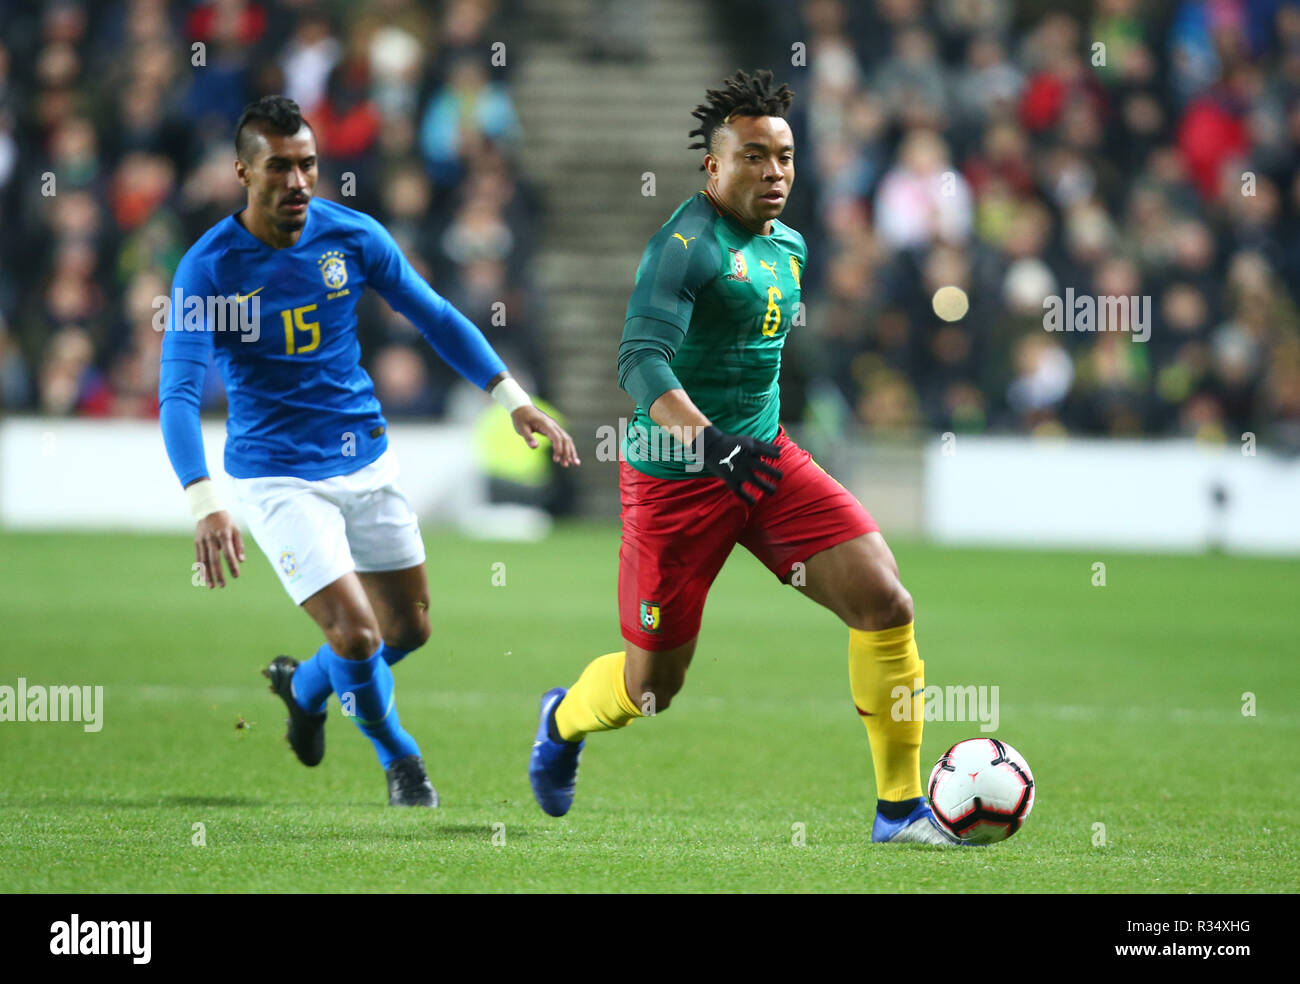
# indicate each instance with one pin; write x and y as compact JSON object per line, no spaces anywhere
{"x":739,"y":268}
{"x":333,"y":270}
{"x":649,"y":616}
{"x":794,"y":270}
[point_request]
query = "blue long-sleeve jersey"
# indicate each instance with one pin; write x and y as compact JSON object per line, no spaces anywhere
{"x":282,"y":324}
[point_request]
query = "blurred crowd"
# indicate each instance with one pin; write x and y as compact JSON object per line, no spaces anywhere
{"x":116,"y":153}
{"x":1119,"y":148}
{"x":1016,"y":150}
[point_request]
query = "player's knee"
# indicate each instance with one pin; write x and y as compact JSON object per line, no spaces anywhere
{"x":654,"y":679}
{"x":357,"y":640}
{"x":900,"y":609}
{"x":412,"y":632}
{"x":883,"y":604}
{"x":657,"y":695}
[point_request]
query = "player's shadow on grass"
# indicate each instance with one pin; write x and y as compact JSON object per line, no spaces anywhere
{"x":123,"y":803}
{"x":432,"y":831}
{"x":211,"y":801}
{"x":512,"y":831}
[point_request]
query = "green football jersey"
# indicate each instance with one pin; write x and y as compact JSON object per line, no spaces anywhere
{"x":731,"y":296}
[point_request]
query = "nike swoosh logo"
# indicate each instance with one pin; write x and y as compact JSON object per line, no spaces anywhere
{"x":865,"y":714}
{"x":243,"y":297}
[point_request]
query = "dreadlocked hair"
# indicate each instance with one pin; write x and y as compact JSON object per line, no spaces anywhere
{"x":743,"y":95}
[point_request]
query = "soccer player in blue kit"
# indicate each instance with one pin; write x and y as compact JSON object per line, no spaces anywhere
{"x":272,"y":291}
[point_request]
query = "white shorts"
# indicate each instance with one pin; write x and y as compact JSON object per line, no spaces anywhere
{"x":315,"y":532}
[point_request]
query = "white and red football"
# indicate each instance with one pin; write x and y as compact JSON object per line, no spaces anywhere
{"x":982,"y":790}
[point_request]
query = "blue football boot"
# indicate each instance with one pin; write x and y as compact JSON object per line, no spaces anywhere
{"x":553,"y":765}
{"x":918,"y":827}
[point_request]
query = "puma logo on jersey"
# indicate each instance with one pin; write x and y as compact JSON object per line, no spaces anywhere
{"x":769,"y":267}
{"x":685,"y":242}
{"x":727,"y":460}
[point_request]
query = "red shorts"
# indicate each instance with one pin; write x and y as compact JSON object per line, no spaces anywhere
{"x":677,"y":533}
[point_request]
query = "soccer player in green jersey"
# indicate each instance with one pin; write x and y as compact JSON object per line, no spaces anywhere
{"x":706,"y":465}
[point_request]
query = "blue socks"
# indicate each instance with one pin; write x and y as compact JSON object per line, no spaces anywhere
{"x":392,"y":654}
{"x":311,"y":680}
{"x":370,"y":684}
{"x":365,"y":688}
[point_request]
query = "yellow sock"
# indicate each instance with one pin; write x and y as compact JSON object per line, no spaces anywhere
{"x":598,"y":701}
{"x":887,"y":677}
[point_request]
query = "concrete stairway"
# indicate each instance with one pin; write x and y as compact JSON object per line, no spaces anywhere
{"x":591,"y":130}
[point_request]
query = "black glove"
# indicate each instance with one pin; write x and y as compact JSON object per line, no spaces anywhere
{"x":737,"y":459}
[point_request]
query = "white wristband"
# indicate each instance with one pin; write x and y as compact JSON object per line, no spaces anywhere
{"x":203,"y":499}
{"x":510,"y":395}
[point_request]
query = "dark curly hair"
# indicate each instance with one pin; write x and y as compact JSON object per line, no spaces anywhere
{"x":743,"y":95}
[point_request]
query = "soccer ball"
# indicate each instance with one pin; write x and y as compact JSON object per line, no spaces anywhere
{"x":982,"y":790}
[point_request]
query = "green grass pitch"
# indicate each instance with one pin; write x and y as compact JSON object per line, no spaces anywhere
{"x":1127,"y":700}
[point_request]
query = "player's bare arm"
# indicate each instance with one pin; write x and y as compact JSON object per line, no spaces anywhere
{"x":736,"y":459}
{"x":530,"y":421}
{"x":677,"y":413}
{"x":217,"y":535}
